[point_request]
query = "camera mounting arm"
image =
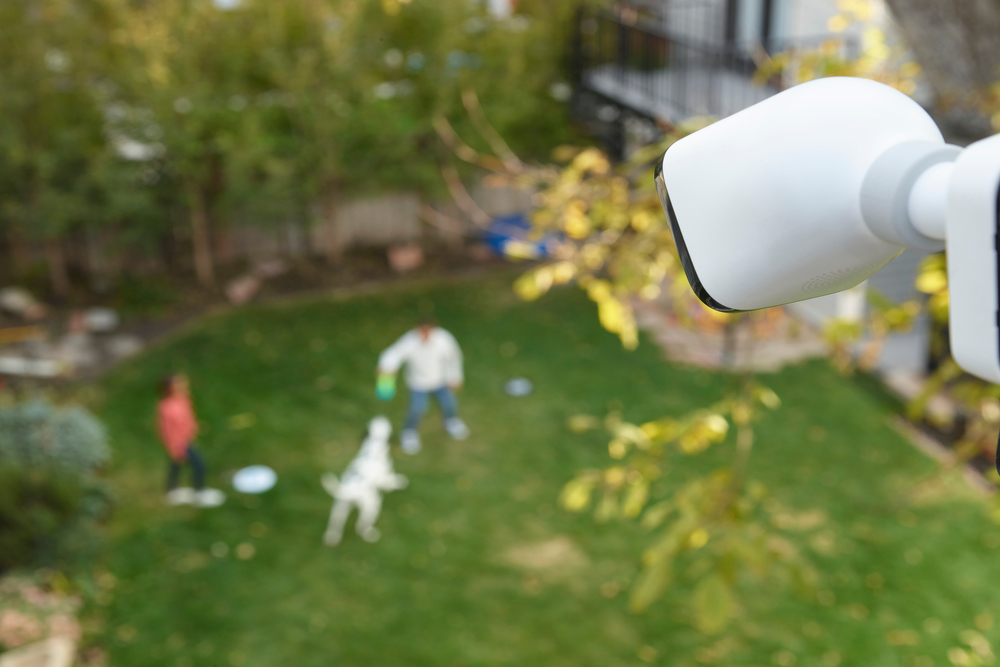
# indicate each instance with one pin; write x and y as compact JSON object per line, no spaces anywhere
{"x":934,"y":197}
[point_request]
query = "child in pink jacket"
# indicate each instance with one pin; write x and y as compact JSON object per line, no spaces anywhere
{"x":178,"y":429}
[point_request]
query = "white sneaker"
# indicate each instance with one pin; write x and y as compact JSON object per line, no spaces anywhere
{"x":209,"y":498}
{"x":456,"y":428}
{"x":370,"y":535}
{"x":182,"y":496}
{"x":410,"y":440}
{"x":331,"y":539}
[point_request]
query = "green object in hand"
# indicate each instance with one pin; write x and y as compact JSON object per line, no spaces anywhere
{"x":385,"y":387}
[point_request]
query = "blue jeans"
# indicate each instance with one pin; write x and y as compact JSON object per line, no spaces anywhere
{"x":419,"y":401}
{"x":197,"y":470}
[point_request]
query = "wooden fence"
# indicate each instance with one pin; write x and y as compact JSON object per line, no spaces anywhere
{"x":362,"y":223}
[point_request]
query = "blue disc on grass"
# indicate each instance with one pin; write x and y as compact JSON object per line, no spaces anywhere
{"x":255,"y":479}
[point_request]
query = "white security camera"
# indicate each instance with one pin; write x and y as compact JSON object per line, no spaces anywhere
{"x":812,"y":191}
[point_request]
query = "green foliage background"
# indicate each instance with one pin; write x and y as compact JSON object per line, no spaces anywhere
{"x":254,"y":114}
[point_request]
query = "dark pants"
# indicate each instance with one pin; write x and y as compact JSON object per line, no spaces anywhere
{"x":420,"y":400}
{"x":197,"y":470}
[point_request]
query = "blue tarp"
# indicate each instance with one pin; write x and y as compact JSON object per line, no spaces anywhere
{"x":508,"y":236}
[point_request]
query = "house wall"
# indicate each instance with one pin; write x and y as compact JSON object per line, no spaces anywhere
{"x":800,"y":21}
{"x":749,"y":21}
{"x":906,"y":352}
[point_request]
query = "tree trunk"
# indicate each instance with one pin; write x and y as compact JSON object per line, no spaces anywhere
{"x":201,"y":242}
{"x":957,"y":42}
{"x":332,"y":238}
{"x":58,"y":273}
{"x":18,"y":254}
{"x":98,"y":268}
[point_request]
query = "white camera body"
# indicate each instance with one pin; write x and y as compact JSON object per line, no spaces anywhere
{"x":973,"y":218}
{"x":815,"y":189}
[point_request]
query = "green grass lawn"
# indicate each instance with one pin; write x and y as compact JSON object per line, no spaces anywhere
{"x":446,"y":585}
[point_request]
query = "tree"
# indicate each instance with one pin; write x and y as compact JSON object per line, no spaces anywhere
{"x":266,"y":108}
{"x":958,"y":44}
{"x":50,"y":122}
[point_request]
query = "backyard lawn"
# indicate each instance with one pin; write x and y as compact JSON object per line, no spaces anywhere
{"x":477,"y":564}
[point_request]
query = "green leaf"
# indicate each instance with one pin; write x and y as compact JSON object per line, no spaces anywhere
{"x":713,"y":604}
{"x":635,"y":499}
{"x":650,"y":586}
{"x":656,"y":515}
{"x":607,"y":509}
{"x":803,"y":579}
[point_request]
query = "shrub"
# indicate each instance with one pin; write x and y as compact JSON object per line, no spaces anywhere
{"x":36,"y":433}
{"x":49,"y":517}
{"x":51,"y":502}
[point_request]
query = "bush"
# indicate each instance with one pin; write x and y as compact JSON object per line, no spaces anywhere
{"x":36,"y":433}
{"x":49,"y":517}
{"x":51,"y":503}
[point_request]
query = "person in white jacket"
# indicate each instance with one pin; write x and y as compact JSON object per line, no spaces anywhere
{"x":433,"y":367}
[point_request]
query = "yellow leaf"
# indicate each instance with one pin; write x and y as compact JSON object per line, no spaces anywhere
{"x":515,"y":249}
{"x":563,"y":272}
{"x":932,"y":282}
{"x":653,"y":430}
{"x":617,"y":448}
{"x":959,"y":657}
{"x":577,"y":227}
{"x":692,"y":443}
{"x":629,"y":334}
{"x":565,"y":153}
{"x":717,"y":427}
{"x":593,"y":255}
{"x":742,"y":413}
{"x":838,"y":23}
{"x":650,"y":292}
{"x":643,"y":220}
{"x":611,"y":314}
{"x":582,"y":423}
{"x":599,"y":290}
{"x":591,"y":160}
{"x":768,"y":398}
{"x":527,"y":288}
{"x":614,"y":476}
{"x":698,"y":538}
{"x":575,"y":495}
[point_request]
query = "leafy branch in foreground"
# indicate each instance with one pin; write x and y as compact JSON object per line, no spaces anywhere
{"x":719,"y":530}
{"x":612,"y":240}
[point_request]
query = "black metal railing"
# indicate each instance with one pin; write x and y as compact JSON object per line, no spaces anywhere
{"x":675,"y":67}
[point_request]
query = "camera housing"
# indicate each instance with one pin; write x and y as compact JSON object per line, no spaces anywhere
{"x":812,"y":191}
{"x":765,"y":205}
{"x":973,"y":241}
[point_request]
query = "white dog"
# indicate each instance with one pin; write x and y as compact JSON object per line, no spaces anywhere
{"x":362,"y":484}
